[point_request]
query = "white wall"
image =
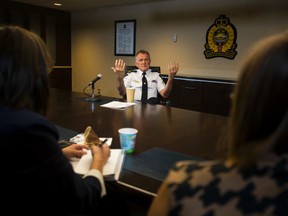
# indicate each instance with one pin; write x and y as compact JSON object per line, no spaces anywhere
{"x":93,"y":36}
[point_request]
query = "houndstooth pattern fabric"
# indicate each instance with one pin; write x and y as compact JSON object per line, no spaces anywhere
{"x":216,"y":189}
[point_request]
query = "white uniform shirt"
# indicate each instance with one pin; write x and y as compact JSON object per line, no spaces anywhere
{"x":155,"y":83}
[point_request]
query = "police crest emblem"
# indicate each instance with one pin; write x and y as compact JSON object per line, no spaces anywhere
{"x":221,"y":39}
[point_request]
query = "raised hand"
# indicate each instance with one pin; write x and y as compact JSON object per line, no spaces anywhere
{"x":119,"y":67}
{"x":173,"y":69}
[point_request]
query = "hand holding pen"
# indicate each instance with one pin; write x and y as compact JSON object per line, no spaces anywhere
{"x":103,"y":142}
{"x":101,"y":154}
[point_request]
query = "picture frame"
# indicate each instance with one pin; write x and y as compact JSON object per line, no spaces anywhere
{"x":125,"y":38}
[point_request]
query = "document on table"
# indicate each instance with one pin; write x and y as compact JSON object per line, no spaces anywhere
{"x":118,"y":104}
{"x":79,"y":139}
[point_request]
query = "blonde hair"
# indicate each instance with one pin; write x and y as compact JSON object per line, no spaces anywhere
{"x":259,"y":115}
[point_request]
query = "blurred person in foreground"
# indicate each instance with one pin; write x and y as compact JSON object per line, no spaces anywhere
{"x":38,"y":178}
{"x":253,"y":180}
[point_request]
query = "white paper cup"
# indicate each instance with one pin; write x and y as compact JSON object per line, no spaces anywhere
{"x":130,"y":94}
{"x":128,"y":139}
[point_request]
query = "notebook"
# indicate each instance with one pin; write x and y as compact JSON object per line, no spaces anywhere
{"x":112,"y":168}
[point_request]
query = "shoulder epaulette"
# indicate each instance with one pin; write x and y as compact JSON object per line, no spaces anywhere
{"x":132,"y":71}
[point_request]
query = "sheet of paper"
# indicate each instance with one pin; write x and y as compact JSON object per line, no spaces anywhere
{"x":118,"y":105}
{"x":79,"y":139}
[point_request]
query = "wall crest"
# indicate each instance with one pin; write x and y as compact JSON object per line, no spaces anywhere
{"x":221,"y":39}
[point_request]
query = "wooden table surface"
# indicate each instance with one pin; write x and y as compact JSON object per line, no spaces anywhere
{"x":177,"y":130}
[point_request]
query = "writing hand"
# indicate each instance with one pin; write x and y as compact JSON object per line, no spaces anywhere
{"x":100,"y":155}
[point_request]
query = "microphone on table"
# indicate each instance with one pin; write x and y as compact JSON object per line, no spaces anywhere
{"x":92,"y":98}
{"x":99,"y":76}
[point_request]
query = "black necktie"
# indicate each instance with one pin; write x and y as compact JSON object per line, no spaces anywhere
{"x":144,"y":88}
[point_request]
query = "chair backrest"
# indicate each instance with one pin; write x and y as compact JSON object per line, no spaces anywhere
{"x":156,"y":69}
{"x":129,"y":68}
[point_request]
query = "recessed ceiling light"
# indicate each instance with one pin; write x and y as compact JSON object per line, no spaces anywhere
{"x":57,"y":4}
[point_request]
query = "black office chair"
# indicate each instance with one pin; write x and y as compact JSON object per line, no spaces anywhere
{"x":129,"y":69}
{"x":159,"y":99}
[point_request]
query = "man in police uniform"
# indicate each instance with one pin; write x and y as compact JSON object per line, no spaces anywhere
{"x":154,"y":82}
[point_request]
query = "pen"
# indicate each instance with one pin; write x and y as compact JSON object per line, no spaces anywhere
{"x":103,"y":142}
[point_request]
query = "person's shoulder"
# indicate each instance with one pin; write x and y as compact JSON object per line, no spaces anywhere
{"x":190,"y":168}
{"x":24,"y":121}
{"x":199,"y":166}
{"x":132,"y":71}
{"x":30,"y":115}
{"x":153,"y":74}
{"x":8,"y":111}
{"x":197,"y":163}
{"x":24,"y":117}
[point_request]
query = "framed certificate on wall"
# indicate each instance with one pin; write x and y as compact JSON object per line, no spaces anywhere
{"x":125,"y":36}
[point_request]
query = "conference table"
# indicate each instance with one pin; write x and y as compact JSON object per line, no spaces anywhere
{"x":165,"y":135}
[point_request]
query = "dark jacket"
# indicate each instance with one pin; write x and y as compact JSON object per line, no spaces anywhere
{"x":35,"y":174}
